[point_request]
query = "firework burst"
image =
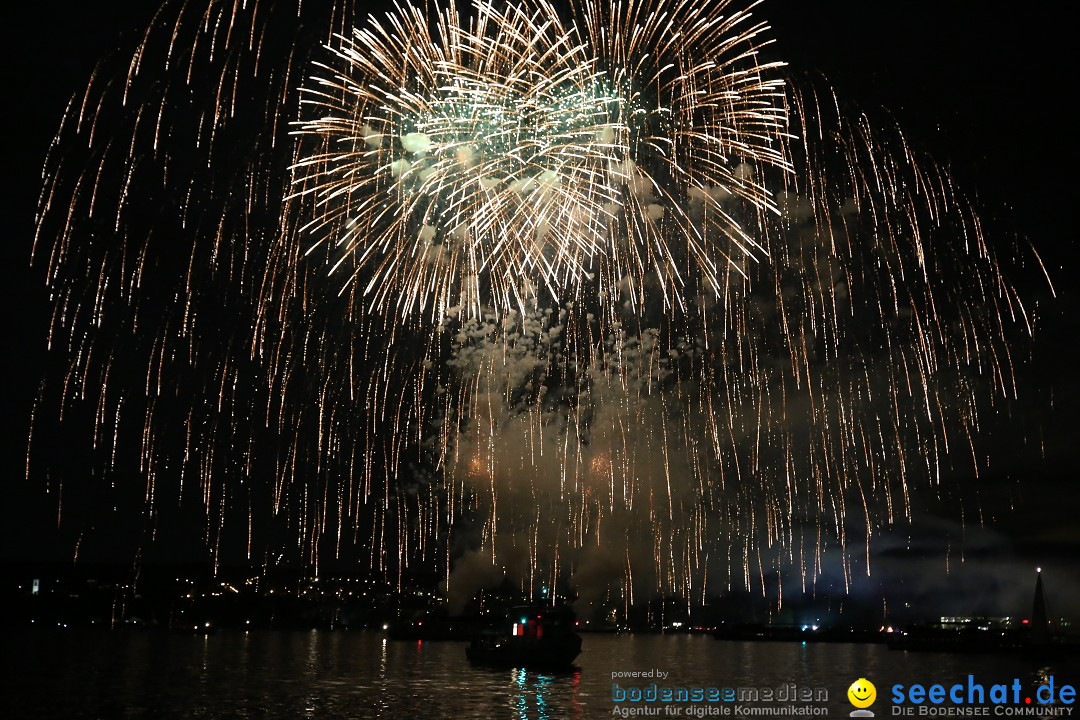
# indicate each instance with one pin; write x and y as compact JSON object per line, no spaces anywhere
{"x":599,"y":295}
{"x":479,"y":157}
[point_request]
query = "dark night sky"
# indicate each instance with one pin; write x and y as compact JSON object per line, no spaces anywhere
{"x":986,"y":93}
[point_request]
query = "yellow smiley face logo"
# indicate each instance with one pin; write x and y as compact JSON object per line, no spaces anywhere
{"x":862,"y":693}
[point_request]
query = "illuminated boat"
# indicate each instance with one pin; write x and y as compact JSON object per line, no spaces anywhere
{"x":528,"y":638}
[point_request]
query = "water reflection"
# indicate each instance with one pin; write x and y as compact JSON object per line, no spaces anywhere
{"x":545,"y":696}
{"x":543,"y":686}
{"x":520,"y":701}
{"x":363,"y":675}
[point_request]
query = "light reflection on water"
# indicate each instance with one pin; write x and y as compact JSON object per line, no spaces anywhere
{"x":363,"y":675}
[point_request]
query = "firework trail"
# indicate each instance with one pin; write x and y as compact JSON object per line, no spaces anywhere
{"x":598,"y":294}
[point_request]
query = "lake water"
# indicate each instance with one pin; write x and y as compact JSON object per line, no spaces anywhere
{"x":80,"y":674}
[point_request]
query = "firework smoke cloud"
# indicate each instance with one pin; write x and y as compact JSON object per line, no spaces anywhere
{"x":593,"y":298}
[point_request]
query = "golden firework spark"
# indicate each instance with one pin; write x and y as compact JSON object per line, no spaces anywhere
{"x":478,"y":157}
{"x":603,"y":289}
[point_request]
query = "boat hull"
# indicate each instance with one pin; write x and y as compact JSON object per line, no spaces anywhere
{"x":553,"y":654}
